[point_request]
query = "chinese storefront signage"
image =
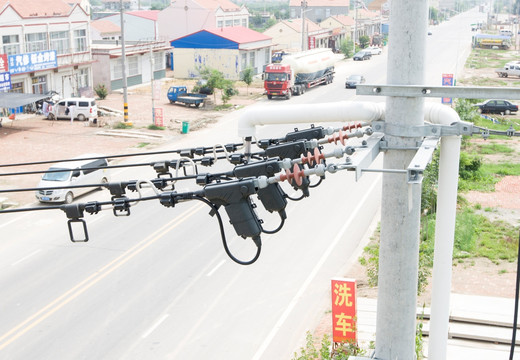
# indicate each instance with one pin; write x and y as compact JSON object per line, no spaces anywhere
{"x":34,"y":61}
{"x":5,"y":81}
{"x":3,"y":63}
{"x":344,"y":310}
{"x":158,"y":117}
{"x":312,"y":42}
{"x":447,"y":80}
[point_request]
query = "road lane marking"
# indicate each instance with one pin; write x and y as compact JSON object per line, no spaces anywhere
{"x":26,"y":257}
{"x":154,"y":326}
{"x":313,"y":273}
{"x":216,"y":268}
{"x":15,"y":219}
{"x":93,"y":279}
{"x":202,"y":319}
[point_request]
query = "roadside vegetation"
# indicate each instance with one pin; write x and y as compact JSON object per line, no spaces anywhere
{"x":479,"y":170}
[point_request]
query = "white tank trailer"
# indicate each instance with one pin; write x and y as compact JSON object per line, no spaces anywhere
{"x":311,"y":64}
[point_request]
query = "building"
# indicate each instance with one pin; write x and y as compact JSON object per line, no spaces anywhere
{"x":229,"y":50}
{"x":342,"y":27}
{"x":287,"y":35}
{"x":318,"y":10}
{"x":115,"y":5}
{"x":189,"y":16}
{"x":140,"y":25}
{"x":47,"y":46}
{"x":104,"y":30}
{"x":144,"y":60}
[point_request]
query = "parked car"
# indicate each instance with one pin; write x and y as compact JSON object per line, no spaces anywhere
{"x":83,"y":109}
{"x":374,"y":50}
{"x":497,"y":107}
{"x":362,"y":55}
{"x":73,"y":173}
{"x":353,"y":80}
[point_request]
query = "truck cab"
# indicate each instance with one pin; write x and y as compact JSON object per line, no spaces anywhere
{"x":278,"y":80}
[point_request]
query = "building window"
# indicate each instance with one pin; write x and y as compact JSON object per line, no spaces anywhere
{"x":267,"y":57}
{"x":116,"y":71}
{"x":83,"y":78}
{"x":36,"y":42}
{"x":60,"y":42}
{"x":252,"y":59}
{"x":17,"y":87}
{"x":244,"y":61}
{"x":80,"y":40}
{"x":158,"y":61}
{"x":133,"y":66}
{"x":219,"y":23}
{"x":244,"y":22}
{"x":39,"y":84}
{"x":236,"y":22}
{"x":229,"y":23}
{"x":11,"y":44}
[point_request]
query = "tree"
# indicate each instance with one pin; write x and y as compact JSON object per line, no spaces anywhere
{"x":216,"y":80}
{"x":247,"y":76}
{"x":364,"y":41}
{"x":346,"y":47}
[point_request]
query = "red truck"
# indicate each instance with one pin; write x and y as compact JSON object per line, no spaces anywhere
{"x":298,"y":72}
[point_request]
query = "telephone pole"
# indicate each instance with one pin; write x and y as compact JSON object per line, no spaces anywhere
{"x":401,"y":201}
{"x":123,"y":63}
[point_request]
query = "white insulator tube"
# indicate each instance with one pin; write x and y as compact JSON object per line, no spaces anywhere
{"x":342,"y":111}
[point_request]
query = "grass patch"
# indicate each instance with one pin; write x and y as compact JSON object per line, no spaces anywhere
{"x":142,"y":144}
{"x":121,"y":125}
{"x":493,"y":148}
{"x":223,"y":107}
{"x":154,"y":127}
{"x":488,"y":58}
{"x":488,"y":175}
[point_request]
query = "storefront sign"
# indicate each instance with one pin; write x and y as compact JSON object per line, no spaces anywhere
{"x":158,"y":117}
{"x":344,"y":310}
{"x":34,"y":61}
{"x":5,"y":81}
{"x":312,"y":42}
{"x":447,"y":80}
{"x":4,"y":65}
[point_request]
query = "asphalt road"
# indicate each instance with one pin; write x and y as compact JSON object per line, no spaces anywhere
{"x":157,"y":284}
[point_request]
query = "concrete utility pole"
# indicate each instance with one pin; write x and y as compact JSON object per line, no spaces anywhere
{"x":401,"y":202}
{"x":123,"y":63}
{"x":304,"y":7}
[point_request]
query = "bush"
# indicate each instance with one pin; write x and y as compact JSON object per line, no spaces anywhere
{"x":101,"y":91}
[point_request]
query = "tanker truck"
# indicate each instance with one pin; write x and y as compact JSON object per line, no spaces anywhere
{"x":298,"y":72}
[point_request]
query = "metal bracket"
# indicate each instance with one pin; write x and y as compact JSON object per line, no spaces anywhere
{"x":365,"y":155}
{"x":439,"y":91}
{"x":422,"y":158}
{"x":431,"y":130}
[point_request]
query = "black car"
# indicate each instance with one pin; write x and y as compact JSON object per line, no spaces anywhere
{"x":353,"y":80}
{"x":497,"y":107}
{"x":362,"y":55}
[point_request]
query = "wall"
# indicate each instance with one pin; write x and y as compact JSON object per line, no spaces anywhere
{"x":188,"y":62}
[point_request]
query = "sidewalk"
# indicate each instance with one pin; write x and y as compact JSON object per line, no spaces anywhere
{"x":480,"y":326}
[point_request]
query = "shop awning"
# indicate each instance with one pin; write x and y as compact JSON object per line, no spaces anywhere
{"x":14,"y":100}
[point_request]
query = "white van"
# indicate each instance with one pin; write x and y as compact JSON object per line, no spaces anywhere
{"x":72,"y":173}
{"x":83,"y":109}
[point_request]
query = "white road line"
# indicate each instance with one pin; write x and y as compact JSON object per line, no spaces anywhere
{"x":155,"y":326}
{"x":216,"y":267}
{"x":26,"y":257}
{"x":16,"y":219}
{"x":313,"y":273}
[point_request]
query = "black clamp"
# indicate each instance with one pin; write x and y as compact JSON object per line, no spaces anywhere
{"x":74,"y":213}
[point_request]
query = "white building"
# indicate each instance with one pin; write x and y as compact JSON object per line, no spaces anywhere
{"x":47,"y":45}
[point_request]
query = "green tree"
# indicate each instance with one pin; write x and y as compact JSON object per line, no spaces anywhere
{"x":346,"y":47}
{"x":216,"y":80}
{"x":364,"y":41}
{"x":247,"y":76}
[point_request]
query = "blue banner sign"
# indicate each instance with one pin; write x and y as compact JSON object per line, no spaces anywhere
{"x":5,"y":81}
{"x":29,"y":62}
